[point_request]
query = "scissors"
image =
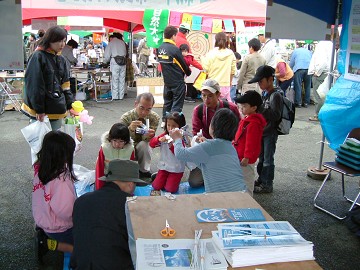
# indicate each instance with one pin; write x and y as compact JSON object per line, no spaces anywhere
{"x":167,"y":231}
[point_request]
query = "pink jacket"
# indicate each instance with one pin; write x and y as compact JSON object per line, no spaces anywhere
{"x":52,"y":204}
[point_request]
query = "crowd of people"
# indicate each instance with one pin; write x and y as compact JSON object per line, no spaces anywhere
{"x":236,"y":123}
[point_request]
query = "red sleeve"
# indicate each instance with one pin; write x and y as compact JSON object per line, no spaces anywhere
{"x":133,"y":157}
{"x":195,"y":63}
{"x":99,"y":169}
{"x":197,"y":123}
{"x":154,"y":142}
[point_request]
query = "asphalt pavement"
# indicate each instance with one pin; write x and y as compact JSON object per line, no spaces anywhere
{"x":292,"y":199}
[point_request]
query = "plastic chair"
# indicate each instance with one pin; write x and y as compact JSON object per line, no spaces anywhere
{"x":344,"y":171}
{"x":102,"y":86}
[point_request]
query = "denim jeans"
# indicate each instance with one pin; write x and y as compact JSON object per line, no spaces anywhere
{"x":233,"y":92}
{"x":285,"y":85}
{"x":300,"y":76}
{"x":266,"y":166}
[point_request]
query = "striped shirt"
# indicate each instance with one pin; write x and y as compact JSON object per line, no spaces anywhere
{"x":218,"y":161}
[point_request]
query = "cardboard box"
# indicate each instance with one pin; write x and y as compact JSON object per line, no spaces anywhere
{"x":154,"y":86}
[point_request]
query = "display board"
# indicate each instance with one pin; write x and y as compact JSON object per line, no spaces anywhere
{"x":11,"y":45}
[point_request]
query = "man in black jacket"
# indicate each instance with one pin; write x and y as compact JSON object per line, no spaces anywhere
{"x":173,"y":68}
{"x":100,"y":233}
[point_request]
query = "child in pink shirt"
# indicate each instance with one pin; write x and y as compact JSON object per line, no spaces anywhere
{"x":53,"y":193}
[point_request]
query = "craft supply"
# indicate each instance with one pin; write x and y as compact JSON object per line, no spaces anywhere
{"x":167,"y":231}
{"x":196,"y":254}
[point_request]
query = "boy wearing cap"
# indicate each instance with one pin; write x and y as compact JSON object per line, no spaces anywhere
{"x":271,"y":110}
{"x":100,"y":232}
{"x":202,"y":116}
{"x":248,"y":137}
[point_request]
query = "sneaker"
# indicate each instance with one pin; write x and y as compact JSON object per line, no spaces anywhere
{"x":298,"y":106}
{"x":305,"y":105}
{"x":41,"y":248}
{"x":144,"y":174}
{"x":263,"y":189}
{"x":153,"y":176}
{"x":314,"y":118}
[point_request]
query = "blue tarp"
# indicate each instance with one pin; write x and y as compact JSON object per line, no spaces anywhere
{"x":340,"y":112}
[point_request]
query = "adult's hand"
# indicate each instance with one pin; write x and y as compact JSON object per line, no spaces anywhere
{"x":151,"y":133}
{"x":175,"y":134}
{"x":40,"y":117}
{"x":134,"y":125}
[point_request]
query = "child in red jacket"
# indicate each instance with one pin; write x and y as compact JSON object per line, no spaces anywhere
{"x":247,"y":140}
{"x":189,"y":58}
{"x":171,"y":169}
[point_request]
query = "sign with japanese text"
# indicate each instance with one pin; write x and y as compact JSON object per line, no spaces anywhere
{"x":196,"y":23}
{"x":155,"y":22}
{"x":207,"y":25}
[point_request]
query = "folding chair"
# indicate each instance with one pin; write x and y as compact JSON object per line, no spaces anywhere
{"x":344,"y":171}
{"x":10,"y":93}
{"x":102,"y":86}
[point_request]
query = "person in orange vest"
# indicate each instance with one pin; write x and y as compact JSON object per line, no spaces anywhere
{"x":284,"y":74}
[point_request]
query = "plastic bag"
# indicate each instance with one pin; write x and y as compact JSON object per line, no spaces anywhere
{"x":323,"y":88}
{"x":34,"y":135}
{"x":86,"y":179}
{"x":75,"y":130}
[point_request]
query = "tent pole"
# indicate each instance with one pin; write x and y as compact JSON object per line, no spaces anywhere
{"x":320,"y":173}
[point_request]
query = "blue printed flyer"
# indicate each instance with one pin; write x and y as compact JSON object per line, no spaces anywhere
{"x":229,"y":215}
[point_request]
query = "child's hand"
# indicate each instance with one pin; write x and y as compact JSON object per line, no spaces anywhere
{"x":244,"y":162}
{"x":150,"y":134}
{"x":162,"y":139}
{"x":200,"y":139}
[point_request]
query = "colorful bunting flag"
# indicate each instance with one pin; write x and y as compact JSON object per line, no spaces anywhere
{"x":175,"y":18}
{"x":187,"y":18}
{"x":216,"y":26}
{"x":207,"y":25}
{"x":155,"y":22}
{"x":196,"y":23}
{"x":229,"y":26}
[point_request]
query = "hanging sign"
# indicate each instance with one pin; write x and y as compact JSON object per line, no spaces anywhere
{"x":196,"y":23}
{"x":175,"y":18}
{"x":187,"y":19}
{"x":229,"y":26}
{"x":155,"y":22}
{"x":207,"y":25}
{"x":217,"y":26}
{"x":97,"y":39}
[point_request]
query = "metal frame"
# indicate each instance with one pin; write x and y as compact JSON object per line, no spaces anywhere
{"x":343,"y":170}
{"x":101,"y":86}
{"x":8,"y":90}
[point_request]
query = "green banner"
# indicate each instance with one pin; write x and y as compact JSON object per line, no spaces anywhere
{"x":155,"y":21}
{"x":126,"y":37}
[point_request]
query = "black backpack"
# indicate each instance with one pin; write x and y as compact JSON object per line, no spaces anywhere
{"x":201,"y":108}
{"x":287,"y":115}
